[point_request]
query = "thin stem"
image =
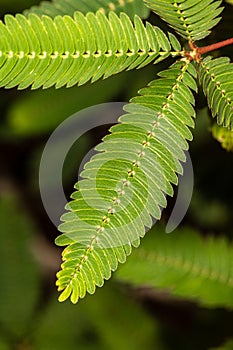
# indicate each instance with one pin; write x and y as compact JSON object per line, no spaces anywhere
{"x":215,"y":46}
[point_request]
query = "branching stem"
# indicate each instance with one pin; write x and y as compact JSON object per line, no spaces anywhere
{"x":196,"y":52}
{"x":215,"y":46}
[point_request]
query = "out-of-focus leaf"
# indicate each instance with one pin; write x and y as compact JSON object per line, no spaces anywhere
{"x":229,"y":344}
{"x":18,"y":270}
{"x":40,"y":111}
{"x":109,"y":320}
{"x":3,"y":345}
{"x":211,"y":214}
{"x":185,"y":264}
{"x":223,"y":136}
{"x":123,"y":324}
{"x":62,"y":326}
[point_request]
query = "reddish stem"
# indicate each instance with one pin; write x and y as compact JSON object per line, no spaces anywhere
{"x":215,"y":46}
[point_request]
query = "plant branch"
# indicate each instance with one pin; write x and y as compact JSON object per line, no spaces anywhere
{"x":215,"y":46}
{"x":196,"y":52}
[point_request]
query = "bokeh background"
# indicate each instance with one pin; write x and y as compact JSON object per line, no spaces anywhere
{"x":117,"y":316}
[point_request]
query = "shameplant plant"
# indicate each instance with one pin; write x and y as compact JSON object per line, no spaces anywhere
{"x":124,"y":186}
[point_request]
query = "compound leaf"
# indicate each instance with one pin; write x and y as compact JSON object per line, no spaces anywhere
{"x":216,"y":79}
{"x":191,"y":19}
{"x":125,"y":183}
{"x":67,"y":51}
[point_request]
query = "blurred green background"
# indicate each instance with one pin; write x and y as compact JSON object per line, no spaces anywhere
{"x":117,"y":316}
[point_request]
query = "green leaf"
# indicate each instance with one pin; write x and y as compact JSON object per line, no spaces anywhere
{"x":125,"y":183}
{"x":192,"y":19}
{"x":185,"y":264}
{"x":216,"y":80}
{"x":174,"y":42}
{"x":68,"y":7}
{"x":224,"y":136}
{"x":67,"y":51}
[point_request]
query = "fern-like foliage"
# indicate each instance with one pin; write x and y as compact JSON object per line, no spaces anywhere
{"x":125,"y":184}
{"x":184,"y":263}
{"x":192,"y":19}
{"x":67,"y":51}
{"x":68,"y":7}
{"x":216,"y":79}
{"x":224,"y":136}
